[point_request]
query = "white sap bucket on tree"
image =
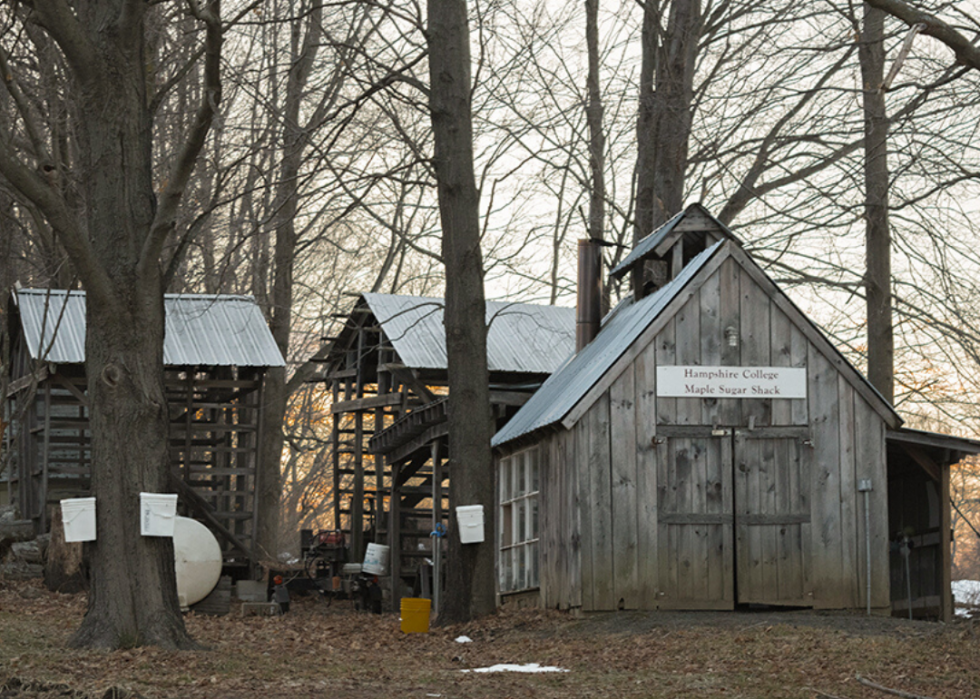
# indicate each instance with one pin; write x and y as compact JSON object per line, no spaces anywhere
{"x":376,"y":559}
{"x":470,"y":521}
{"x":78,"y":516}
{"x":158,"y":512}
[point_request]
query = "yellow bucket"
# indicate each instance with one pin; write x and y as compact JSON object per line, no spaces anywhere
{"x":415,"y":615}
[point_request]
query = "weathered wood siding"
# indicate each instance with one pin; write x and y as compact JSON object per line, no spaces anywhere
{"x":650,"y":502}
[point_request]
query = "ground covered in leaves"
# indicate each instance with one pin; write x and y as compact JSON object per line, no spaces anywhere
{"x":318,"y":651}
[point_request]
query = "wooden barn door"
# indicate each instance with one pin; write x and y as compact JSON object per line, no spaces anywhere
{"x":694,"y":516}
{"x":772,"y":516}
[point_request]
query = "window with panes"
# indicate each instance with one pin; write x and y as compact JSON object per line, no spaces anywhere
{"x":519,"y":521}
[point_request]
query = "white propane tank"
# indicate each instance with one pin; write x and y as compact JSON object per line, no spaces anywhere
{"x":197,"y":560}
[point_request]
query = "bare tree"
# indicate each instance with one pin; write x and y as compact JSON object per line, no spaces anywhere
{"x":116,"y":250}
{"x":471,"y":573}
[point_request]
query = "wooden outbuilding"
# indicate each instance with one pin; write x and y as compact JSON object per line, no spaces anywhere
{"x":216,"y":351}
{"x":387,"y":371}
{"x":711,"y":448}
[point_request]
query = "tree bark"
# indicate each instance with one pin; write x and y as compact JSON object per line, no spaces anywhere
{"x":673,"y":111}
{"x":645,"y":133}
{"x":116,"y":249}
{"x":967,"y":53}
{"x":877,"y":283}
{"x":597,"y":137}
{"x":133,"y":595}
{"x":471,"y":568}
{"x":280,"y":312}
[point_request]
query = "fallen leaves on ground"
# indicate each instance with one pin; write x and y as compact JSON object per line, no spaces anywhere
{"x":318,"y":650}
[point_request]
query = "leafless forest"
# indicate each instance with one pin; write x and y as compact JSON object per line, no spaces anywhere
{"x":840,"y":161}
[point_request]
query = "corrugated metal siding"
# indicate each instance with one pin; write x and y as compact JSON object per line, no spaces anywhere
{"x":201,"y":330}
{"x":521,"y":338}
{"x":563,"y":389}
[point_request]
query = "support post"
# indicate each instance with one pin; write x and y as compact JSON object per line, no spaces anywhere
{"x":436,"y":522}
{"x":394,"y":538}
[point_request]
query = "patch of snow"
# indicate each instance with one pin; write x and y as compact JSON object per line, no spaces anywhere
{"x":966,"y":593}
{"x":529,"y":667}
{"x":464,"y":639}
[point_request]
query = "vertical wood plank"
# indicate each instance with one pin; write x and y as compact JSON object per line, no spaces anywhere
{"x":666,"y":355}
{"x":755,"y":338}
{"x":781,"y":354}
{"x":573,"y":564}
{"x":603,"y":590}
{"x":712,"y":337}
{"x":768,"y":485}
{"x":563,"y":534}
{"x":584,"y":501}
{"x":799,"y":407}
{"x":548,"y":486}
{"x":729,"y":314}
{"x":645,"y":377}
{"x":945,"y":551}
{"x":623,"y":429}
{"x":688,"y":347}
{"x":870,"y":463}
{"x":825,"y":483}
{"x":852,"y":526}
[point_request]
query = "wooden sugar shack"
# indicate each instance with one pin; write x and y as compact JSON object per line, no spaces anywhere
{"x":708,"y":448}
{"x":216,"y":351}
{"x":387,"y":372}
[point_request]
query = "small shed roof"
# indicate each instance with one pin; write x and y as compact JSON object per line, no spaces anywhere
{"x":621,"y":328}
{"x":521,"y":337}
{"x":564,"y":389}
{"x":650,"y":243}
{"x":201,"y":329}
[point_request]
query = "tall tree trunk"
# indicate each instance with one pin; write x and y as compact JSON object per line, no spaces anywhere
{"x":116,"y":249}
{"x":645,"y":143}
{"x":877,"y":282}
{"x":471,"y":569}
{"x":133,"y":595}
{"x":673,"y":110}
{"x":597,"y":137}
{"x":287,"y":202}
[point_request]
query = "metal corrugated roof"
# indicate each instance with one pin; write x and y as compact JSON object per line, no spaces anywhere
{"x":645,"y":246}
{"x":201,"y":329}
{"x":522,"y":338}
{"x":563,"y":389}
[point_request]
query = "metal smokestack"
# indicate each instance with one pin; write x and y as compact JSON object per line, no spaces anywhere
{"x":589,"y":302}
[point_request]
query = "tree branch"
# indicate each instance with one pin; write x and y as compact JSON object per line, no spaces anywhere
{"x":64,"y":223}
{"x":58,"y":19}
{"x":170,"y":198}
{"x":966,"y":52}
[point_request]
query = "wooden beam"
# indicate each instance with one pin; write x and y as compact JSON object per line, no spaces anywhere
{"x":406,"y":450}
{"x":509,"y":397}
{"x":945,"y":549}
{"x":925,"y":461}
{"x":202,"y":508}
{"x":410,"y":378}
{"x":25,"y":381}
{"x":382,"y":401}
